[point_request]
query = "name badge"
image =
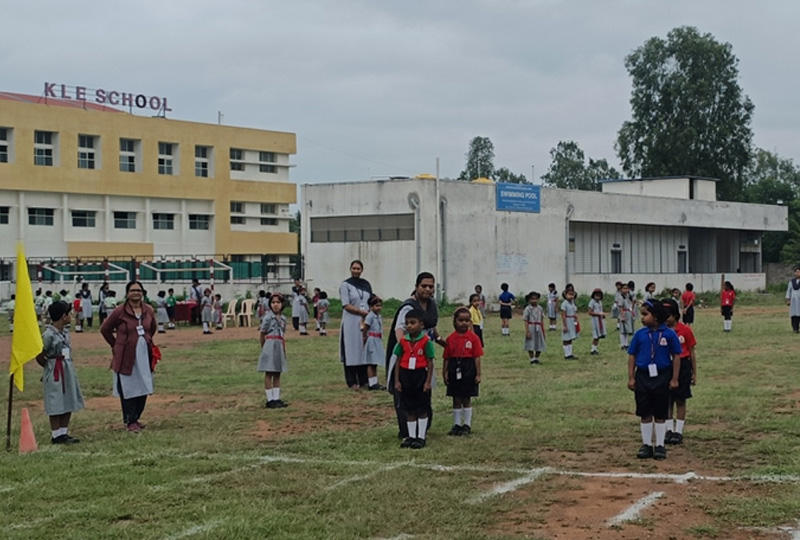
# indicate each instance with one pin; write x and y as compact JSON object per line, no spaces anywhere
{"x":458,"y":373}
{"x":140,"y":330}
{"x":663,"y":342}
{"x":412,"y":362}
{"x":653,"y":370}
{"x":65,"y":352}
{"x":468,"y":345}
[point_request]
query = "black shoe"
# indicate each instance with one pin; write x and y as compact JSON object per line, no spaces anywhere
{"x":407,"y":442}
{"x":660,"y":453}
{"x":208,"y":332}
{"x":668,"y":438}
{"x":71,"y":440}
{"x":61,"y":439}
{"x":280,"y":404}
{"x":466,"y":431}
{"x":594,"y":353}
{"x":162,"y":331}
{"x":270,"y":404}
{"x":374,"y":387}
{"x":535,"y":361}
{"x":416,"y":444}
{"x":646,"y":451}
{"x":455,"y":431}
{"x":677,"y":438}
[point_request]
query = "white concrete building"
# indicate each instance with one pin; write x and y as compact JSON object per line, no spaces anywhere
{"x":667,"y":230}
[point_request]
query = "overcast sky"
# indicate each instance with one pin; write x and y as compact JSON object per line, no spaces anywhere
{"x":380,"y":87}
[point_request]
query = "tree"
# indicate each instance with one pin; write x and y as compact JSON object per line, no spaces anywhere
{"x":689,"y":115}
{"x":569,"y":170}
{"x":506,"y":176}
{"x":480,"y":160}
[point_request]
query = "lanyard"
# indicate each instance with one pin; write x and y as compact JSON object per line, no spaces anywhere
{"x":653,"y":346}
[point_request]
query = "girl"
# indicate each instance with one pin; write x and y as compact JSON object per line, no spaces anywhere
{"x":476,"y":315}
{"x":77,"y":305}
{"x":625,"y":316}
{"x":272,"y":361}
{"x":793,"y":300}
{"x":206,"y":317}
{"x":598,"y":319}
{"x":570,"y":328}
{"x":653,"y":366}
{"x":314,"y":302}
{"x":263,"y":304}
{"x":373,"y":342}
{"x":302,"y":310}
{"x":62,"y":393}
{"x":552,"y":305}
{"x":649,"y":291}
{"x":506,"y":300}
{"x":171,"y":301}
{"x":727,"y":298}
{"x":687,"y":299}
{"x":216,"y":308}
{"x":161,"y":311}
{"x":462,"y":371}
{"x":323,"y":317}
{"x":482,"y":304}
{"x":86,"y":303}
{"x":617,"y":303}
{"x":10,"y":305}
{"x":534,"y":328}
{"x":687,"y":376}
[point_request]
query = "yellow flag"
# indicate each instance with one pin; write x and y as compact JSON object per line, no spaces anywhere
{"x":26,"y":342}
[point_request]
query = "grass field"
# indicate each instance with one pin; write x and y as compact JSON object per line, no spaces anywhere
{"x":552,"y":453}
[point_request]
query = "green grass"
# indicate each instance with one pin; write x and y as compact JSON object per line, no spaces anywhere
{"x":214,"y":463}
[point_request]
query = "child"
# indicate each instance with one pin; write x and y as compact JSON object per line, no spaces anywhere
{"x":552,"y":305}
{"x":48,"y":301}
{"x":687,"y":299}
{"x":626,"y":307}
{"x":206,"y":316}
{"x":534,"y":328}
{"x":110,"y":301}
{"x":653,"y":367}
{"x":77,"y":305}
{"x":793,"y":300}
{"x":323,"y":317}
{"x":62,"y":393}
{"x":412,"y":378}
{"x":302,"y":303}
{"x":462,"y":371}
{"x":216,"y":306}
{"x":161,"y":311}
{"x":476,"y":315}
{"x":373,"y":342}
{"x":272,"y":361}
{"x":598,"y":320}
{"x":727,"y":298}
{"x":38,"y":305}
{"x":171,"y":301}
{"x":687,"y":376}
{"x":482,"y":305}
{"x":617,"y":303}
{"x":506,"y":300}
{"x":676,"y":295}
{"x":262,"y":304}
{"x":570,"y":328}
{"x":314,"y":302}
{"x":649,"y":291}
{"x":10,"y":305}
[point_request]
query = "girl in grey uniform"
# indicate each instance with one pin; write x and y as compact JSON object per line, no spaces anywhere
{"x":272,"y":361}
{"x":323,"y":317}
{"x":552,"y":305}
{"x":533,"y":317}
{"x":626,"y":316}
{"x":598,"y":319}
{"x":62,"y":393}
{"x":162,"y":317}
{"x":302,"y":311}
{"x":206,"y":316}
{"x":570,"y":328}
{"x":373,"y":342}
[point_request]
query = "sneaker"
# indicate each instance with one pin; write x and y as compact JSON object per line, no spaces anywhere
{"x":455,"y":431}
{"x":133,"y":428}
{"x":646,"y":451}
{"x":668,"y":438}
{"x":407,"y":442}
{"x":677,"y":438}
{"x":660,"y":452}
{"x":466,"y":431}
{"x":416,"y":444}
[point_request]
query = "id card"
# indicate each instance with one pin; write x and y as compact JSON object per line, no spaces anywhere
{"x":653,"y":370}
{"x":412,"y":362}
{"x":65,"y":352}
{"x":458,"y":373}
{"x":140,"y":330}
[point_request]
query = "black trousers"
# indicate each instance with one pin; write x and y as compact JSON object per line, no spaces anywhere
{"x":796,"y":324}
{"x":355,"y":375}
{"x":132,"y":408}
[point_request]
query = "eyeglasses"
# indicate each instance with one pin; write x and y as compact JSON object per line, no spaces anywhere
{"x":135,"y":290}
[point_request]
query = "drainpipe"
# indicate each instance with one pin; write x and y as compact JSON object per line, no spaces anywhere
{"x":570,"y":209}
{"x":413,"y":201}
{"x":443,"y":277}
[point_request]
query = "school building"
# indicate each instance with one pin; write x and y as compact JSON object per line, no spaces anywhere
{"x":88,"y":186}
{"x":667,"y":230}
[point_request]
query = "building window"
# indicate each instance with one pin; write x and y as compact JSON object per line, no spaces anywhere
{"x":124,"y":220}
{"x":165,"y":153}
{"x":4,"y":211}
{"x":237,"y":159}
{"x":83,"y":218}
{"x":269,"y":221}
{"x":202,"y":160}
{"x":368,"y":228}
{"x":237,"y":220}
{"x":267,"y":208}
{"x":264,"y":158}
{"x":40,"y":216}
{"x":5,"y":136}
{"x":164,"y":222}
{"x":198,"y":222}
{"x":86,"y":155}
{"x":237,"y":207}
{"x":44,"y":148}
{"x":616,"y":261}
{"x":127,"y":155}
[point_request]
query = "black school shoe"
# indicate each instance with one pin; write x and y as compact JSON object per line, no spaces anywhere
{"x":416,"y":444}
{"x":646,"y":452}
{"x":407,"y":442}
{"x":64,"y":439}
{"x":660,"y":453}
{"x":455,"y":431}
{"x":376,"y":387}
{"x":466,"y":431}
{"x":668,"y":438}
{"x":677,"y":438}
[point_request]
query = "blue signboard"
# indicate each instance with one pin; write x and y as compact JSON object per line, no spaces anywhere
{"x":518,"y":197}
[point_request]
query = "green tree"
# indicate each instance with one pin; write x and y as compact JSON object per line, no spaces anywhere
{"x":505,"y":176}
{"x":689,"y":114}
{"x":790,"y":251}
{"x":480,"y":159}
{"x":569,"y":169}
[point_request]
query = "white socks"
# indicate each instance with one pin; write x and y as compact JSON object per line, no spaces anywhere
{"x":468,"y":416}
{"x":679,"y":426}
{"x":726,"y":324}
{"x":205,"y":327}
{"x":422,"y":428}
{"x":506,"y":331}
{"x":303,"y":329}
{"x":59,"y":432}
{"x":160,"y":327}
{"x":273,"y":394}
{"x":457,"y":417}
{"x":372,"y":381}
{"x":594,"y":348}
{"x":623,"y":340}
{"x":567,"y":350}
{"x":661,"y":432}
{"x":647,"y":433}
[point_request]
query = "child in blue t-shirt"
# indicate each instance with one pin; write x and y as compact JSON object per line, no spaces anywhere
{"x":506,"y":300}
{"x":653,"y":368}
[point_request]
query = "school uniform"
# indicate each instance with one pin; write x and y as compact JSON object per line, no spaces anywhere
{"x":687,"y":341}
{"x":653,"y":346}
{"x":302,"y":302}
{"x":598,"y":322}
{"x":323,"y":308}
{"x":687,"y":299}
{"x":572,"y":327}
{"x":216,"y":313}
{"x":86,"y":306}
{"x":552,"y":304}
{"x":62,"y":392}
{"x":534,"y":320}
{"x":461,"y":351}
{"x":505,"y":311}
{"x":727,"y":299}
{"x":373,"y":348}
{"x":793,"y":297}
{"x":615,"y":308}
{"x":273,"y":353}
{"x":205,"y":305}
{"x":162,"y":317}
{"x":416,"y":358}
{"x":171,"y":307}
{"x":476,"y":317}
{"x":626,"y":315}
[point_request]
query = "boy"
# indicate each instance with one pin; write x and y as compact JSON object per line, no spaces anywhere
{"x":412,"y":375}
{"x":687,"y":377}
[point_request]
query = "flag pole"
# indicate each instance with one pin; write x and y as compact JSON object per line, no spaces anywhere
{"x":10,"y":401}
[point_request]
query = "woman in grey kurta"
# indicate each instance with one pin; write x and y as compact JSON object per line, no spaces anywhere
{"x":62,"y":393}
{"x":86,"y":304}
{"x":793,"y":300}
{"x":355,"y":293}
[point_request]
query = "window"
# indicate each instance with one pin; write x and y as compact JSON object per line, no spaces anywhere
{"x":616,"y":261}
{"x":390,"y":227}
{"x":267,"y":157}
{"x":198,"y":222}
{"x":165,"y":152}
{"x":86,"y":155}
{"x":269,"y":221}
{"x":202,"y":160}
{"x":124,"y":220}
{"x":237,"y":159}
{"x":127,"y":155}
{"x":83,"y":218}
{"x":237,"y":220}
{"x":164,"y":222}
{"x":44,"y":148}
{"x":4,"y":210}
{"x":5,"y":136}
{"x":268,"y":208}
{"x":40,"y":216}
{"x":237,"y":207}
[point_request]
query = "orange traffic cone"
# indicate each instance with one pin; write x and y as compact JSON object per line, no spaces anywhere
{"x":27,"y":440}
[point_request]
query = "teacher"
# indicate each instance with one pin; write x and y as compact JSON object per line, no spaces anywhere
{"x":129,"y":329}
{"x":421,"y":299}
{"x":355,"y":293}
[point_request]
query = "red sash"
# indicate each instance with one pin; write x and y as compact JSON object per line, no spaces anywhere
{"x":537,"y":323}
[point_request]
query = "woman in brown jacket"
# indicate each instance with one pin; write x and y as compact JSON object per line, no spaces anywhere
{"x":129,"y":329}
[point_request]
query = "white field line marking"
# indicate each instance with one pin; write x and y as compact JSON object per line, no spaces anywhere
{"x":55,"y":515}
{"x":197,"y":529}
{"x":677,"y":478}
{"x":633,"y":511}
{"x":502,"y":489}
{"x":402,"y":536}
{"x":794,"y":533}
{"x":360,"y":477}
